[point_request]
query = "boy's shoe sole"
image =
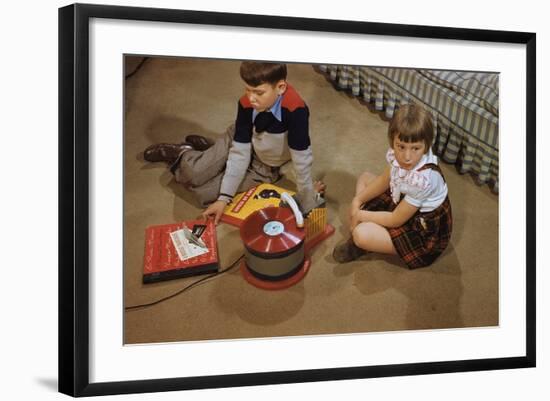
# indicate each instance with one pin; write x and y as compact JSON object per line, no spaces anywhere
{"x":165,"y":152}
{"x":198,"y":142}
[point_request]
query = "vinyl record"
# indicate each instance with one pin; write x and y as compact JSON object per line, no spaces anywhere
{"x":271,"y":233}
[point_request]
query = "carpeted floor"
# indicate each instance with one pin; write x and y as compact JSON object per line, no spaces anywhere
{"x":169,"y":98}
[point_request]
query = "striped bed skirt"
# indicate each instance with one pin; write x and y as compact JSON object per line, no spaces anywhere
{"x":464,"y":106}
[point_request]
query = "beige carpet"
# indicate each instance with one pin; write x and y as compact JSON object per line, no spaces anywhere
{"x":169,"y":98}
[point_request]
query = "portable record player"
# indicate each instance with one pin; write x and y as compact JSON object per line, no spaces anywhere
{"x":278,"y":241}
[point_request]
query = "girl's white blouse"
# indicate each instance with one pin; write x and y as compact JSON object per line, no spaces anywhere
{"x":424,"y":189}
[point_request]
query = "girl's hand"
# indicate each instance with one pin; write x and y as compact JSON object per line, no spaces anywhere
{"x":354,"y":221}
{"x":215,"y":210}
{"x":359,"y":217}
{"x":354,"y":208}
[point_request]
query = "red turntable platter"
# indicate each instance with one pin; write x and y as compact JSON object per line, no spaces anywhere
{"x":271,"y":232}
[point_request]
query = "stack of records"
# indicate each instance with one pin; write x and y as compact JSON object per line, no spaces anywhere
{"x":180,"y":250}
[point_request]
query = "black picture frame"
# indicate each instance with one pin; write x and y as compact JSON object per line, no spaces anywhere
{"x":74,"y":194}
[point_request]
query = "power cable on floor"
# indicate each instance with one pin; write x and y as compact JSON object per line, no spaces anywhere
{"x":137,"y":68}
{"x":194,"y":284}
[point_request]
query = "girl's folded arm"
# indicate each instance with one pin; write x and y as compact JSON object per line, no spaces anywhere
{"x":376,"y":187}
{"x":402,"y":213}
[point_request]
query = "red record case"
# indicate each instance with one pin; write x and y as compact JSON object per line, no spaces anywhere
{"x":161,"y":260}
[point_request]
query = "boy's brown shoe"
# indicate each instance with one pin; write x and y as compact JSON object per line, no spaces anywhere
{"x":165,"y":152}
{"x":347,"y":252}
{"x":198,"y":142}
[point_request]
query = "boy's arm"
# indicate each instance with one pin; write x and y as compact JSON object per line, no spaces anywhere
{"x":302,"y":156}
{"x":302,"y":160}
{"x":306,"y":195}
{"x":300,"y":147}
{"x":240,"y":152}
{"x":235,"y":170}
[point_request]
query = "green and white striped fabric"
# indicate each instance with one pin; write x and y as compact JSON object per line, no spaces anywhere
{"x":464,"y":106}
{"x":478,"y":87}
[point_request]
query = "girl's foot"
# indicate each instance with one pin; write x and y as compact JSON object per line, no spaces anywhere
{"x":347,"y":252}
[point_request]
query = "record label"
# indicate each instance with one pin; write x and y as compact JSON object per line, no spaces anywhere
{"x":274,"y":228}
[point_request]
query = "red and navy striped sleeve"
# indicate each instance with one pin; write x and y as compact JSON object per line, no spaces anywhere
{"x":296,"y":118}
{"x":243,"y":123}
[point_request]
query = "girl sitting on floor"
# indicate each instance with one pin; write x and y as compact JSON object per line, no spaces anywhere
{"x":406,"y":209}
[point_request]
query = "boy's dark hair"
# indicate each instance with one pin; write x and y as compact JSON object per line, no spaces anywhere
{"x":411,"y":123}
{"x":255,"y":74}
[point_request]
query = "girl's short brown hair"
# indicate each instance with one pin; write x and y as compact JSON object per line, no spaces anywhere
{"x":255,"y":74}
{"x":411,"y":123}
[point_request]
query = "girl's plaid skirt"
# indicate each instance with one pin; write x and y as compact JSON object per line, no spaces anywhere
{"x":423,"y":237}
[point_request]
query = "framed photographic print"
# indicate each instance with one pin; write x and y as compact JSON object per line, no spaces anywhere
{"x":145,"y":281}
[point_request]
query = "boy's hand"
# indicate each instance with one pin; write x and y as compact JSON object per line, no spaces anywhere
{"x":308,"y":200}
{"x":320,"y":187}
{"x":215,"y":210}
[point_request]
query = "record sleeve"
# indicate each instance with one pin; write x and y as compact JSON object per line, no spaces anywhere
{"x":256,"y":198}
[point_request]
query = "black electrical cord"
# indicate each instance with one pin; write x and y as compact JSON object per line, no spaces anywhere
{"x":194,"y":284}
{"x":137,"y":68}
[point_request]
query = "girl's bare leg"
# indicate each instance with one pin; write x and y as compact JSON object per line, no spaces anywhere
{"x":366,"y":236}
{"x":374,"y":238}
{"x":364,"y":179}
